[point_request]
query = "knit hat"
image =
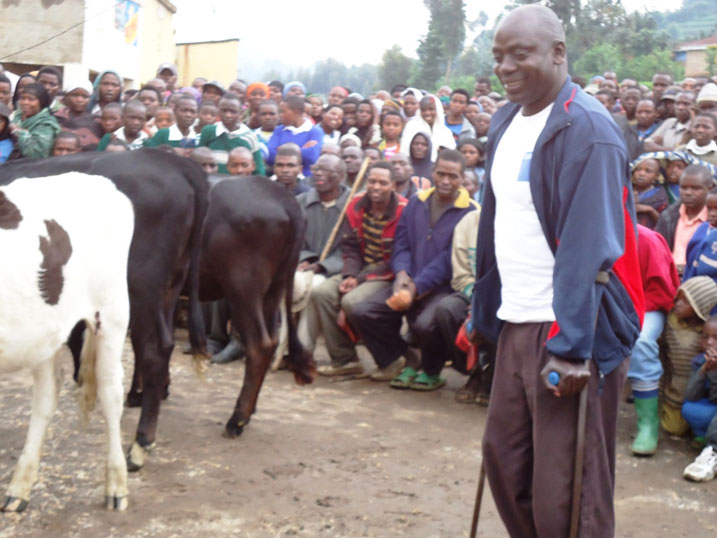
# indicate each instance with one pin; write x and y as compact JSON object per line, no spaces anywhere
{"x":83,"y":84}
{"x":701,"y":293}
{"x":707,"y":93}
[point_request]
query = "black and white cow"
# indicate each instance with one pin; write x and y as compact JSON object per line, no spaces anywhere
{"x":64,"y":242}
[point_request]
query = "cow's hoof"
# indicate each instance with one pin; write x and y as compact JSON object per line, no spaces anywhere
{"x":234,"y":428}
{"x":134,"y":399}
{"x":137,"y":456}
{"x":117,"y":504}
{"x":13,"y":504}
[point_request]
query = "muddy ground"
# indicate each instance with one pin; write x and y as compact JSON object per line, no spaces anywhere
{"x":346,"y":459}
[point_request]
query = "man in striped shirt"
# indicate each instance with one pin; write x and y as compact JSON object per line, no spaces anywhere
{"x":366,"y":246}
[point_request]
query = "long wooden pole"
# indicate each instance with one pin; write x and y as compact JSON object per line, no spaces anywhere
{"x":337,"y":226}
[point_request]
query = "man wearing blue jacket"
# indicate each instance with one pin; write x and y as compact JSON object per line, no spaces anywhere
{"x":557,"y":284}
{"x":421,"y":261}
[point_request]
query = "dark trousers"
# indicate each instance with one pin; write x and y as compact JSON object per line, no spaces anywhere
{"x":380,"y":327}
{"x":451,"y":312}
{"x":529,"y":442}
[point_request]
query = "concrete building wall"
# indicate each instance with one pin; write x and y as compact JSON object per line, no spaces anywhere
{"x":695,"y":63}
{"x":157,"y":37}
{"x":24,"y":23}
{"x":213,"y":60}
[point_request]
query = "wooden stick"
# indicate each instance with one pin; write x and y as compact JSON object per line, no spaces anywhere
{"x":479,"y":499}
{"x":335,"y":231}
{"x":579,"y":457}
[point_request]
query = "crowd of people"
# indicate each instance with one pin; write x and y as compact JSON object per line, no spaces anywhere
{"x":399,"y":274}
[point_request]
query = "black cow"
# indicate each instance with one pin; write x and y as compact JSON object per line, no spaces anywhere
{"x":250,"y":249}
{"x":170,"y":198}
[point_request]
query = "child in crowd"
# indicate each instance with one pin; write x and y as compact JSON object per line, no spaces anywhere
{"x":268,"y":120}
{"x":208,"y":115}
{"x":366,"y":127}
{"x":679,"y":221}
{"x":134,"y":116}
{"x":373,"y":155}
{"x":703,"y":145}
{"x":391,"y":128}
{"x":650,"y":199}
{"x":470,"y":183}
{"x":75,"y":117}
{"x":673,"y":171}
{"x":330,"y":123}
{"x":205,"y":158}
{"x":702,"y":248}
{"x":180,"y":136}
{"x":349,"y":107}
{"x":420,"y":159}
{"x":164,"y":118}
{"x":682,"y":337}
{"x":6,"y":142}
{"x":700,"y":407}
{"x":241,"y":162}
{"x":230,"y":133}
{"x":660,"y":282}
{"x":474,"y":154}
{"x":66,"y":143}
{"x":111,"y":118}
{"x":116,"y":146}
{"x":287,"y":169}
{"x":430,"y":121}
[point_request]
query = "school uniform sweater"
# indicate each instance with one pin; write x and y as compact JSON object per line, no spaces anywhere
{"x":283,"y":134}
{"x":173,"y":137}
{"x":221,"y":141}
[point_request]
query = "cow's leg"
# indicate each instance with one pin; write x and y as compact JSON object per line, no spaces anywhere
{"x":44,"y":401}
{"x":109,"y":389}
{"x":155,"y":348}
{"x":252,"y":327}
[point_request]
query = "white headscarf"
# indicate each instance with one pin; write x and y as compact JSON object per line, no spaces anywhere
{"x":441,"y":136}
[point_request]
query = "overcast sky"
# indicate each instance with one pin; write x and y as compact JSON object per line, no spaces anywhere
{"x":290,"y":33}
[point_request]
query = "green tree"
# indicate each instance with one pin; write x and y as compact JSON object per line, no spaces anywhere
{"x":711,"y":59}
{"x":443,"y":41}
{"x":395,"y":68}
{"x":598,"y":59}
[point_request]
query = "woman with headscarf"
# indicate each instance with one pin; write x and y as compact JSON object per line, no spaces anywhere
{"x":431,"y":121}
{"x":410,"y":98}
{"x":107,"y":88}
{"x":295,"y":88}
{"x":33,"y":126}
{"x":256,"y":93}
{"x":74,"y":116}
{"x":24,"y":80}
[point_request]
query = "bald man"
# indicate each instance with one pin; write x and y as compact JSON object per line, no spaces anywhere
{"x":555,"y":255}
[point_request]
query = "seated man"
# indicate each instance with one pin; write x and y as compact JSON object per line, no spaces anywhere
{"x":422,"y":264}
{"x":287,"y":169}
{"x":321,"y":206}
{"x":453,"y":310}
{"x":366,"y":245}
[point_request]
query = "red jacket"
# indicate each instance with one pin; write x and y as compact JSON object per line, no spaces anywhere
{"x":353,"y":243}
{"x":659,"y":274}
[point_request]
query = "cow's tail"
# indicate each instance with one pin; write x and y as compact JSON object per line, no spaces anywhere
{"x":301,"y":361}
{"x":197,"y":335}
{"x":86,"y":366}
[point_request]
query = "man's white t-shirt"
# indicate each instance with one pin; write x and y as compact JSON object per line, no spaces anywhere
{"x":525,"y":261}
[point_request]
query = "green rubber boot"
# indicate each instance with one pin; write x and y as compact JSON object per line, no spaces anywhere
{"x":648,"y":424}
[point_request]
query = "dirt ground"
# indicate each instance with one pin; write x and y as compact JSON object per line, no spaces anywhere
{"x":339,"y":459}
